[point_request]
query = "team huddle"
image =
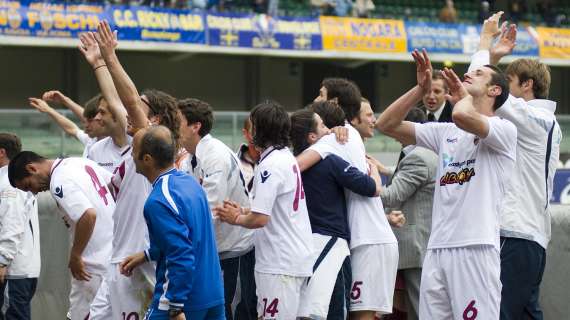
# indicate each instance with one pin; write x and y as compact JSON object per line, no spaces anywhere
{"x":167,"y":222}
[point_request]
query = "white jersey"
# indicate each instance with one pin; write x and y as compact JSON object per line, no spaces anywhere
{"x":130,"y":233}
{"x":285,"y":244}
{"x":368,"y":224}
{"x":86,"y":141}
{"x":471,"y":178}
{"x":107,"y":154}
{"x":78,"y":184}
{"x":217,"y":169}
{"x":526,"y":208}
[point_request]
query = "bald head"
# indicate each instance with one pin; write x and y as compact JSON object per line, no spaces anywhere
{"x":156,"y":142}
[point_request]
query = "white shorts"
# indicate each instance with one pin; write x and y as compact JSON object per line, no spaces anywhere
{"x":81,"y":295}
{"x":461,"y":283}
{"x":329,"y":254}
{"x":124,"y":298}
{"x":278,"y":295}
{"x":374,"y":268}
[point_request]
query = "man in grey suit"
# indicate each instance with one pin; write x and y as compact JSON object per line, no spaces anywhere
{"x":411,"y":191}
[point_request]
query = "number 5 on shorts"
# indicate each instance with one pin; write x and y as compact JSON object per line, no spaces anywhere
{"x":355,"y":291}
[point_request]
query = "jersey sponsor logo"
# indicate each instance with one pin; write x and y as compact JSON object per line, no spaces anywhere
{"x":59,"y":191}
{"x":264,"y":176}
{"x":106,"y":164}
{"x":451,"y":140}
{"x":460,"y":177}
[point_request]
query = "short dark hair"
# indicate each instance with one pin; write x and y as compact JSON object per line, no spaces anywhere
{"x":11,"y":144}
{"x":92,"y":107}
{"x":498,"y":78}
{"x":159,"y":143}
{"x":416,"y":115}
{"x":271,"y":125}
{"x":197,"y":111}
{"x":347,"y":94}
{"x":17,"y":166}
{"x":330,"y":112}
{"x":163,"y":106}
{"x":302,"y":123}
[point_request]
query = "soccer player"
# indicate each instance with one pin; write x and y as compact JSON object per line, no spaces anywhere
{"x":460,"y":275}
{"x":111,"y":151}
{"x":247,"y":154}
{"x":374,"y":249}
{"x":79,"y":186}
{"x":121,"y":295}
{"x":182,"y":241}
{"x":283,"y":243}
{"x":364,"y":122}
{"x":324,"y":187}
{"x":217,"y":169}
{"x":20,"y":261}
{"x":525,"y":213}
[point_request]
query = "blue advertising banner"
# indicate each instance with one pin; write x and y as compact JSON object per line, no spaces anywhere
{"x":39,"y":19}
{"x":263,"y":31}
{"x":434,"y":37}
{"x":459,"y":38}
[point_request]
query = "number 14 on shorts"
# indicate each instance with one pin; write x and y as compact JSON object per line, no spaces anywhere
{"x":270,"y":311}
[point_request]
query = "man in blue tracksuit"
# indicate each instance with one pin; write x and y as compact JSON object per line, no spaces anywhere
{"x":182,"y":242}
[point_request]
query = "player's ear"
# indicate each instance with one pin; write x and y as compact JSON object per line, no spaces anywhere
{"x":31,"y":168}
{"x":311,"y":138}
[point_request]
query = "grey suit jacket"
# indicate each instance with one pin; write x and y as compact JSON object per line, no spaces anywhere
{"x":412,"y":191}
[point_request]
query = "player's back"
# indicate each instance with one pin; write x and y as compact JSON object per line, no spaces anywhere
{"x":184,"y":195}
{"x":78,"y":184}
{"x":284,"y":245}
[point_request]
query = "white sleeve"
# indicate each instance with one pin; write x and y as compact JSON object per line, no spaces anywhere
{"x":12,"y":223}
{"x":429,"y":135}
{"x":502,"y":137}
{"x":479,"y":59}
{"x":268,"y":183}
{"x":70,"y":198}
{"x":326,"y":146}
{"x":83,"y":137}
{"x":215,"y":173}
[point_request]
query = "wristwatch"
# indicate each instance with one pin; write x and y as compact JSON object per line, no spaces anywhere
{"x":174,"y":312}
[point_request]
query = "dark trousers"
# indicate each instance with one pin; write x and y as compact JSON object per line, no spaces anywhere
{"x":17,"y":295}
{"x":522,"y":267}
{"x":234,"y":270}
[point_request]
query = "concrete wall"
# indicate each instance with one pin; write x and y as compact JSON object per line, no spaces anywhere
{"x":51,"y":302}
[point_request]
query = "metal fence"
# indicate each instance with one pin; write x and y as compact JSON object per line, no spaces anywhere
{"x":40,"y":134}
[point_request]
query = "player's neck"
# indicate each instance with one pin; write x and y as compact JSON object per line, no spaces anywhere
{"x":120,"y":139}
{"x":155,"y":173}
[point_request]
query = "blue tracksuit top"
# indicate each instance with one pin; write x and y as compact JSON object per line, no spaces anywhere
{"x":324,"y":185}
{"x":182,"y":243}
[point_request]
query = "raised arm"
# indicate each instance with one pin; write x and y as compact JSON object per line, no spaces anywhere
{"x":391,"y":121}
{"x":127,"y":90}
{"x":67,"y":125}
{"x":90,"y":51}
{"x":58,"y":97}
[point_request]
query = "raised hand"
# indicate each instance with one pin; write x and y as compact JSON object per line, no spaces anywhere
{"x":90,"y":49}
{"x":39,"y":105}
{"x":423,"y":69}
{"x":456,"y":89}
{"x":54,"y":96}
{"x":106,"y":39}
{"x":506,"y":43}
{"x":491,"y":25}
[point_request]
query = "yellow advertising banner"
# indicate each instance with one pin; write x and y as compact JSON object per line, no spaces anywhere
{"x":368,"y":35}
{"x":554,"y":43}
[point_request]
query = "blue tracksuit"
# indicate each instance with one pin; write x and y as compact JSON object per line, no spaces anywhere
{"x":182,"y":243}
